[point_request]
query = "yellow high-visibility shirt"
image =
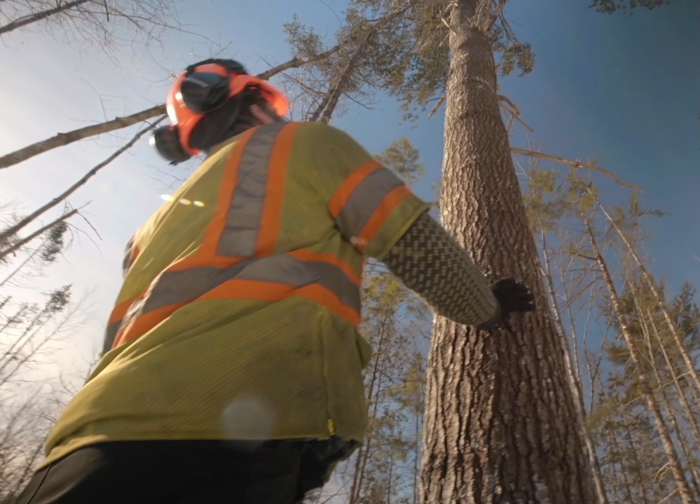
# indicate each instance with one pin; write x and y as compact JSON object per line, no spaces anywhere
{"x":239,"y":310}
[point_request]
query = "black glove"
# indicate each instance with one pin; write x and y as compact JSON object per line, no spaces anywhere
{"x":513,"y":296}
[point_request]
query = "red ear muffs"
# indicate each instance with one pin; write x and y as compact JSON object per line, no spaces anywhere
{"x":198,"y":106}
{"x":203,"y":92}
{"x":166,"y":140}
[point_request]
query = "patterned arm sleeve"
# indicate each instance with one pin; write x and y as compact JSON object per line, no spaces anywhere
{"x":433,"y":265}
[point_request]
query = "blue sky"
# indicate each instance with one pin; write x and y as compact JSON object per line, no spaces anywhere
{"x":625,"y":90}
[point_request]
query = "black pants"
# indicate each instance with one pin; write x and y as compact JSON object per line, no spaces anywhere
{"x":177,"y":472}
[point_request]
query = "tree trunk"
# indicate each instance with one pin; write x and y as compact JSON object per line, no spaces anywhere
{"x":501,"y":424}
{"x":39,"y":16}
{"x":416,"y":470}
{"x":636,"y":462}
{"x":692,"y":420}
{"x":361,"y":455}
{"x":652,"y":403}
{"x":671,"y":411}
{"x":691,"y":417}
{"x":573,"y":372}
{"x":612,"y":437}
{"x":325,"y":109}
{"x":19,"y":268}
{"x":677,"y":337}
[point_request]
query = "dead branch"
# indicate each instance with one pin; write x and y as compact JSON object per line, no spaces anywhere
{"x":437,"y":106}
{"x":514,"y":111}
{"x":575,"y":164}
{"x":325,"y":109}
{"x":298,"y":61}
{"x":29,"y":218}
{"x":20,"y":243}
{"x":63,"y":139}
{"x":39,"y":16}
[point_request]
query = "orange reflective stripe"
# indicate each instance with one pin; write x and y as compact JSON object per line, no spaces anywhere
{"x":141,"y":325}
{"x":228,"y":184}
{"x":269,"y":291}
{"x":119,"y":311}
{"x":115,"y":321}
{"x":250,"y":289}
{"x":274,"y":191}
{"x":237,"y":259}
{"x":374,"y":224}
{"x":363,"y":199}
{"x":330,"y":300}
{"x":347,"y":188}
{"x":268,"y":279}
{"x":309,"y":256}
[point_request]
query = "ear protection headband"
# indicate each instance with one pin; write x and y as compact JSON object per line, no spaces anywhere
{"x":200,"y":106}
{"x":207,"y":89}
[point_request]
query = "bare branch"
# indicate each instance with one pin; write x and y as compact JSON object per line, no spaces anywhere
{"x":437,"y":106}
{"x":514,"y":111}
{"x":63,"y":139}
{"x":20,"y":243}
{"x":38,"y":16}
{"x":575,"y":164}
{"x":23,"y":222}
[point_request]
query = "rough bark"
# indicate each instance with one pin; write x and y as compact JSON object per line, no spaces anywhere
{"x":501,"y":425}
{"x":635,"y":355}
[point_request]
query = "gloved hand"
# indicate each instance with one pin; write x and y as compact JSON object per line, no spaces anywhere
{"x":513,"y":296}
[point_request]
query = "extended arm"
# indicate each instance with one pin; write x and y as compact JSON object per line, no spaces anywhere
{"x":431,"y":263}
{"x":374,"y":210}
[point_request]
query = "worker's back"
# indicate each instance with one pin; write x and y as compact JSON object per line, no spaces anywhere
{"x":238,"y":314}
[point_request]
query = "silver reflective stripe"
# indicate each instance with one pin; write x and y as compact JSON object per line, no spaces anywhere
{"x":240,"y":236}
{"x":110,"y":335}
{"x":128,"y":254}
{"x":365,"y":200}
{"x":291,"y":271}
{"x":175,"y":287}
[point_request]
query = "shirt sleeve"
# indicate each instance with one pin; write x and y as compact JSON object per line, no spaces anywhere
{"x":433,"y":265}
{"x":370,"y":205}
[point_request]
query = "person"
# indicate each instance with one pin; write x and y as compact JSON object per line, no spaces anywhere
{"x":232,"y":364}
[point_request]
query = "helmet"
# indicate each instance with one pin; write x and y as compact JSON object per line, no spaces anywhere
{"x":204,"y":102}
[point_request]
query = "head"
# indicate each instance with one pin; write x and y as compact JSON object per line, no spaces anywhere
{"x":211,"y":101}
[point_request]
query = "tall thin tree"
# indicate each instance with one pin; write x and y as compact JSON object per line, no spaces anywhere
{"x":501,"y":423}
